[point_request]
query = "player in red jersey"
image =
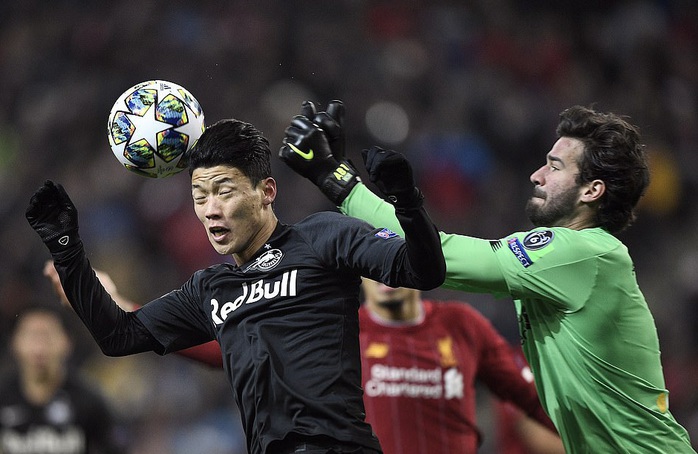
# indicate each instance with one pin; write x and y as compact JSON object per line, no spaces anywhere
{"x":420,"y":367}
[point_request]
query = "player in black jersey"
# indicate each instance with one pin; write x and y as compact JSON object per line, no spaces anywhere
{"x":45,"y":405}
{"x":286,"y":313}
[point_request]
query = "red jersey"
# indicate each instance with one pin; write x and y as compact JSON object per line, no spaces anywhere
{"x":507,"y":440}
{"x":419,"y":378}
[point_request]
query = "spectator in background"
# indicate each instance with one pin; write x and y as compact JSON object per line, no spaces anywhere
{"x":45,"y":406}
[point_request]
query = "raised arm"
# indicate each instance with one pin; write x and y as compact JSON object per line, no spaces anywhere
{"x":54,"y":217}
{"x":306,"y":150}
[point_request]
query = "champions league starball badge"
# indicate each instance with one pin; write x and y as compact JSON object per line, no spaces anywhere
{"x":538,"y":240}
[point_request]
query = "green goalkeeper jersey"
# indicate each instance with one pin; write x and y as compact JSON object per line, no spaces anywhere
{"x":585,"y":327}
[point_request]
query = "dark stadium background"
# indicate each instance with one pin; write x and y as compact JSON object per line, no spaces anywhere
{"x":470,"y":90}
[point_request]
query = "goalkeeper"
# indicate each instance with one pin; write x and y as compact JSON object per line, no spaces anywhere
{"x":585,"y":327}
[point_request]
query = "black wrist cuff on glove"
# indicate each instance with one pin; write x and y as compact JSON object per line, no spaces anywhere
{"x":339,"y":183}
{"x":63,"y":246}
{"x":406,"y":201}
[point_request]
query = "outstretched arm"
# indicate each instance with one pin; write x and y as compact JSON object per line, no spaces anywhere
{"x":53,"y":216}
{"x":106,"y":281}
{"x":392,"y":173}
{"x":307,"y":151}
{"x":208,"y":353}
{"x":471,"y":264}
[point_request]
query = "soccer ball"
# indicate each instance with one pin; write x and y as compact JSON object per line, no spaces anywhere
{"x":151,"y":125}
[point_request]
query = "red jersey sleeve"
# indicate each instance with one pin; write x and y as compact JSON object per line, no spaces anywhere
{"x":505,"y":372}
{"x":208,"y":353}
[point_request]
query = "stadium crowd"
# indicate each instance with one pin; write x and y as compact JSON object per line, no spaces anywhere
{"x":469,"y":90}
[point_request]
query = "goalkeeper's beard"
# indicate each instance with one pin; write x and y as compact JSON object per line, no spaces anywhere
{"x":543,"y":211}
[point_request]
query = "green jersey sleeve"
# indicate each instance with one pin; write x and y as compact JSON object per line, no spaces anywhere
{"x":471,"y":263}
{"x":523,"y":265}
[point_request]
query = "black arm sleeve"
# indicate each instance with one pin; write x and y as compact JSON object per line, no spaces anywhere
{"x":117,"y":332}
{"x":425,"y":258}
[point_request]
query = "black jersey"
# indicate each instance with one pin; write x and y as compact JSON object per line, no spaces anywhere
{"x":75,"y":421}
{"x":286,"y":321}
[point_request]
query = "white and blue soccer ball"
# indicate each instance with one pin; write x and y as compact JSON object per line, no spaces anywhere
{"x":152,"y":125}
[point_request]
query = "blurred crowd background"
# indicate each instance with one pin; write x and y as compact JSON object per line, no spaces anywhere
{"x":470,"y":90}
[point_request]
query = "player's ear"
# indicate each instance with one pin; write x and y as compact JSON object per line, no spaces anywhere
{"x":268,"y":186}
{"x":593,"y":191}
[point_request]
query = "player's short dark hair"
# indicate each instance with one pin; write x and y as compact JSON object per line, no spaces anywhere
{"x":614,"y":154}
{"x":232,"y":143}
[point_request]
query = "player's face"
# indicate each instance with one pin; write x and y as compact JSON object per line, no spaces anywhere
{"x":382,"y":295}
{"x":556,"y":196}
{"x":41,"y":344}
{"x":237,"y":215}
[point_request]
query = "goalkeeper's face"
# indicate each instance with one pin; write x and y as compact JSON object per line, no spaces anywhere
{"x":558,"y":198}
{"x":237,"y":215}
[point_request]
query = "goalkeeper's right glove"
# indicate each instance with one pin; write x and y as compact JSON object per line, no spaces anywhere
{"x":332,"y":122}
{"x":53,"y":216}
{"x":306,"y":150}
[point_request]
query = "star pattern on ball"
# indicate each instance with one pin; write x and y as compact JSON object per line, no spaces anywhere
{"x":191,"y":128}
{"x":147,"y":127}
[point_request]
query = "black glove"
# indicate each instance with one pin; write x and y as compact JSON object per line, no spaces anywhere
{"x":306,"y":150}
{"x":392,"y":174}
{"x":332,"y":122}
{"x":53,"y":216}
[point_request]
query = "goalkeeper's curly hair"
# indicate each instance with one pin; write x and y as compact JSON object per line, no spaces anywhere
{"x":614,"y":154}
